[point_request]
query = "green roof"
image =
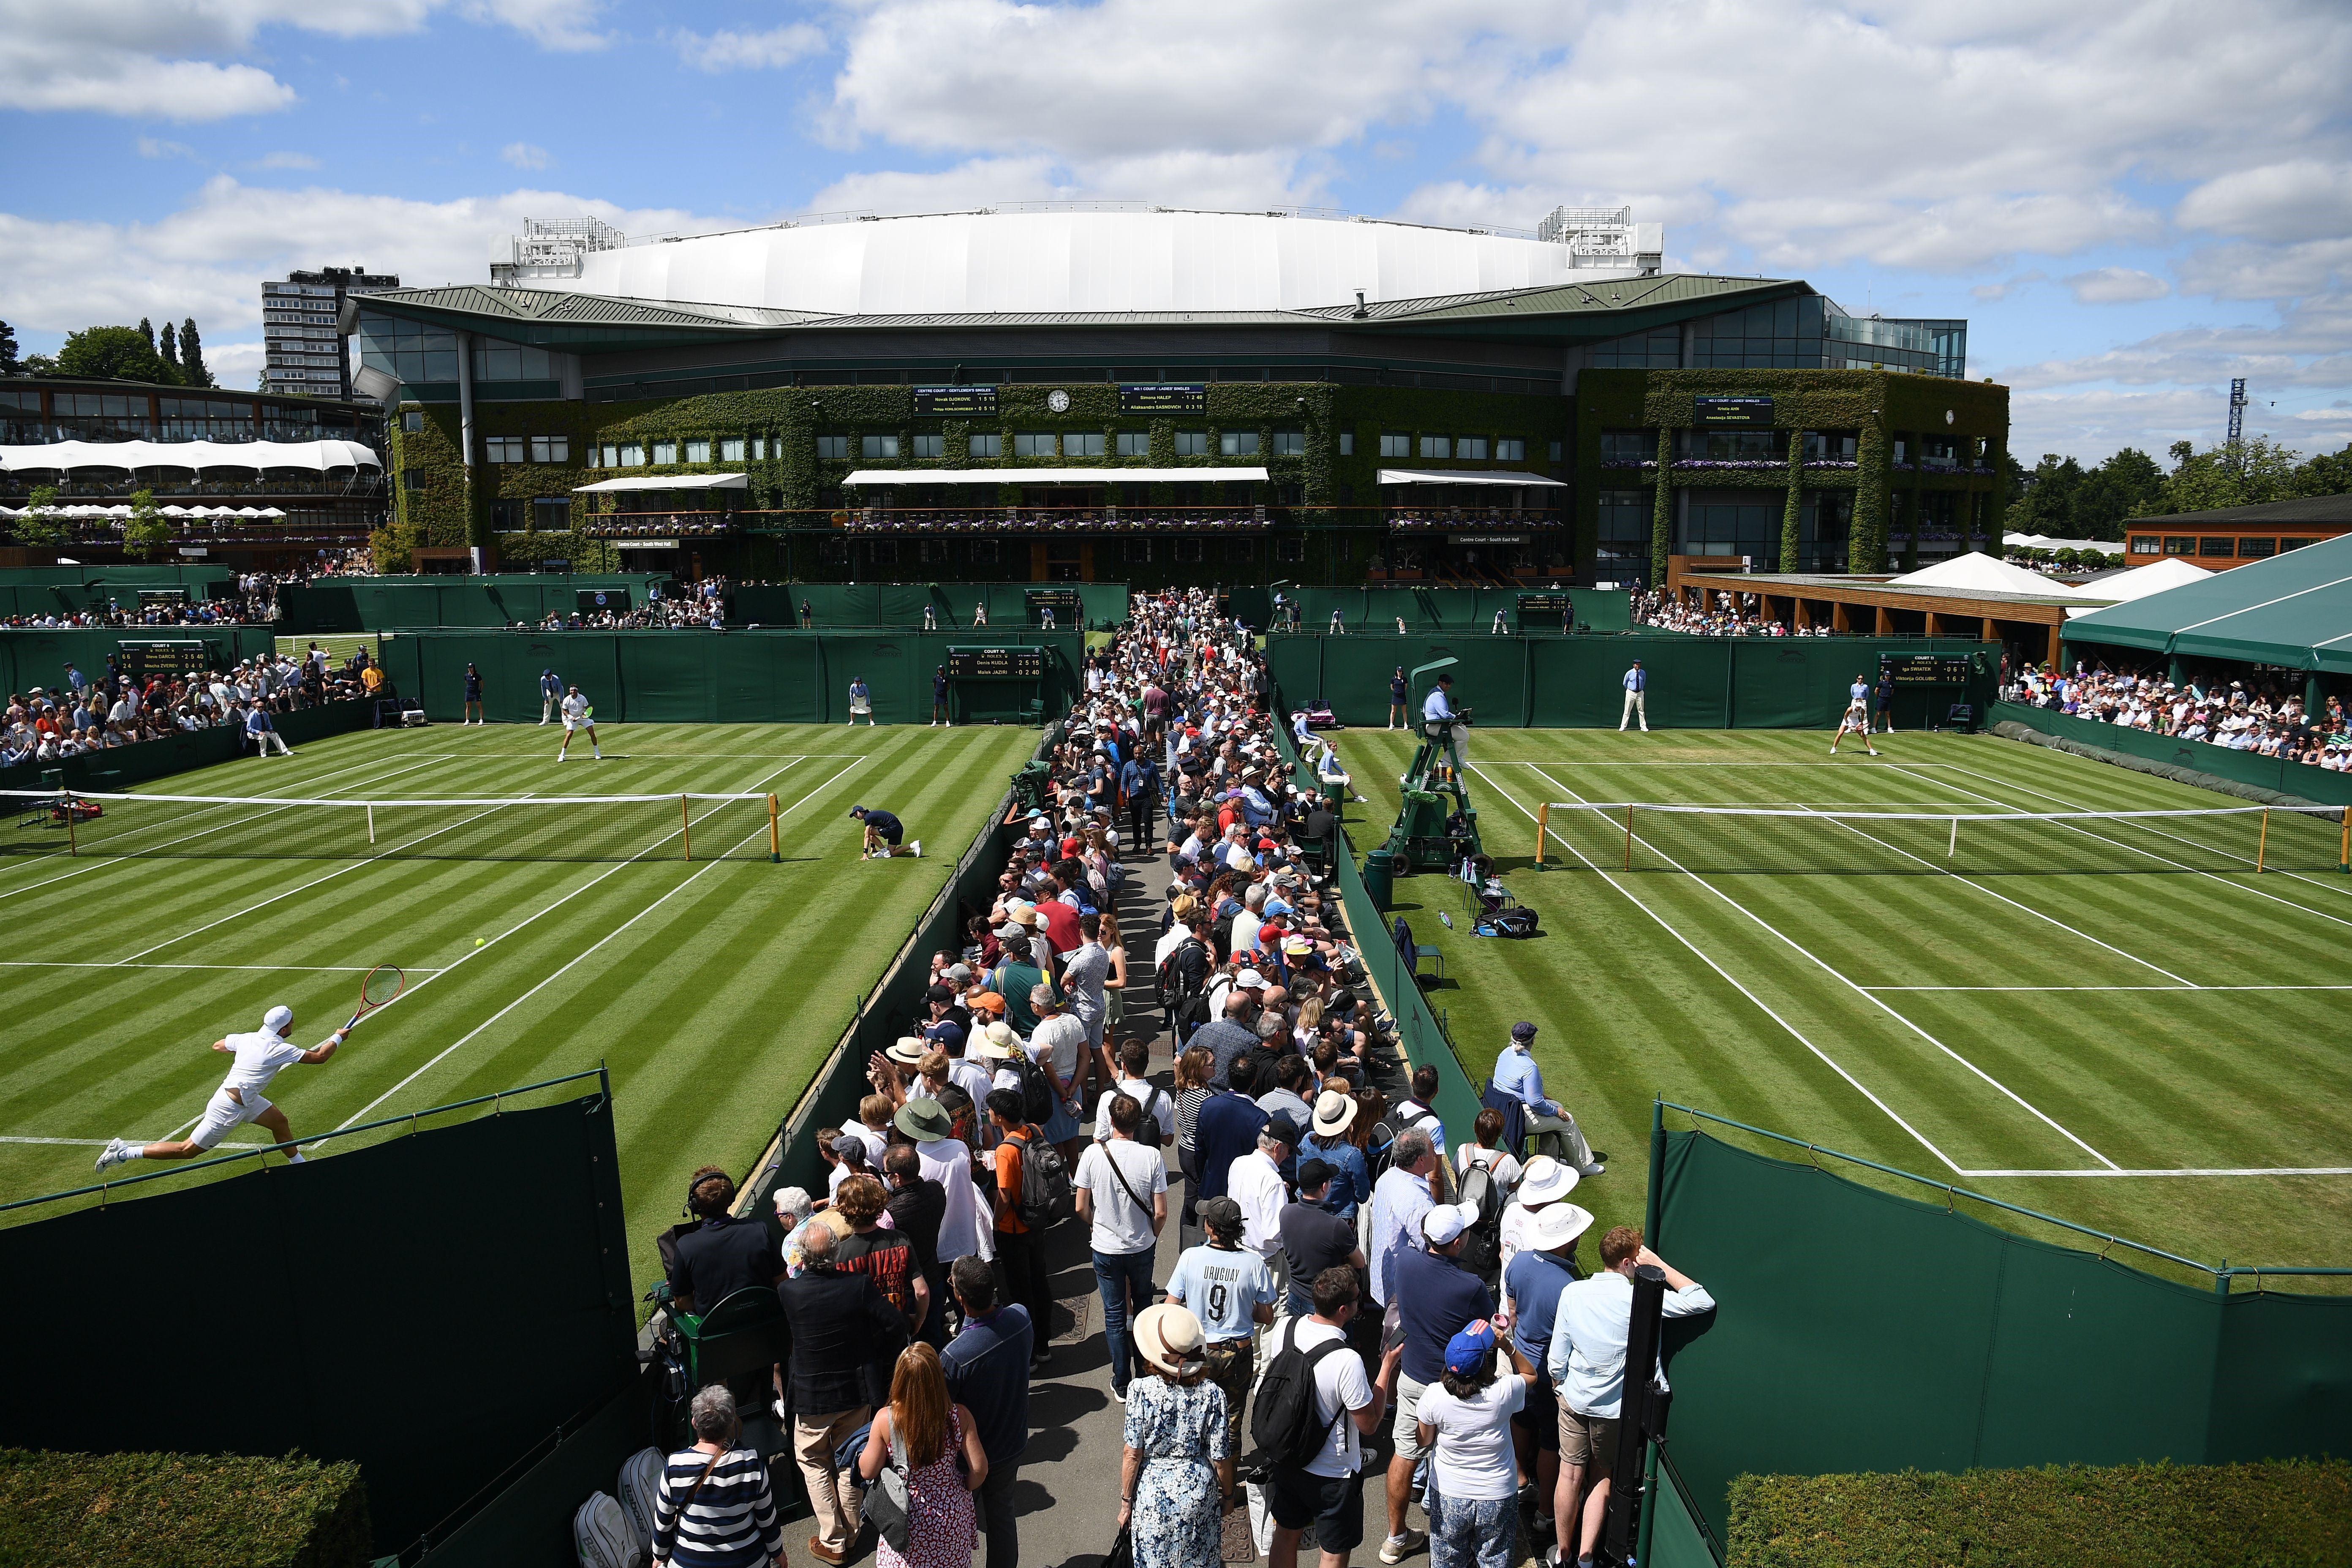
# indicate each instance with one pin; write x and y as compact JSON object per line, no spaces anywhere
{"x":2294,"y":610}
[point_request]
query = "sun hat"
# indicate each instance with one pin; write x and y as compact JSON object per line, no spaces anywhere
{"x":1545,"y":1179}
{"x":996,"y":1042}
{"x":924,"y":1120}
{"x":1558,"y":1225}
{"x":1170,"y":1338}
{"x":1333,"y":1112}
{"x":1442,"y":1223}
{"x":1467,"y":1351}
{"x":907,"y":1049}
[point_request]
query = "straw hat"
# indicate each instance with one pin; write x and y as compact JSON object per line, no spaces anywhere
{"x":996,"y":1042}
{"x":1170,"y":1338}
{"x":907,"y":1050}
{"x":1333,"y":1112}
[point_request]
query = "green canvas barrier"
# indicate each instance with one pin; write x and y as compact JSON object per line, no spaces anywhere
{"x":370,"y":1305}
{"x":1577,"y":682}
{"x":1861,"y":1331}
{"x":120,"y":767}
{"x":705,"y":677}
{"x":38,"y":657}
{"x":399,"y":604}
{"x":854,"y":605}
{"x":2241,"y":767}
{"x":1433,"y":611}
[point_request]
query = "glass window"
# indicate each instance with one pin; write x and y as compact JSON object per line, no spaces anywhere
{"x":1135,"y":552}
{"x":2251,"y":549}
{"x":872,"y":447}
{"x":2179,"y":545}
{"x":2146,"y":544}
{"x":731,"y":449}
{"x":1628,"y":446}
{"x":983,"y":551}
{"x":1290,"y":443}
{"x":412,"y":478}
{"x":1394,"y":444}
{"x":592,"y":456}
{"x":1473,"y":447}
{"x":551,"y":514}
{"x":1083,"y":443}
{"x":1436,"y":445}
{"x":1347,"y":443}
{"x":2289,"y":542}
{"x":551,"y":448}
{"x":697,"y":451}
{"x":832,"y":449}
{"x":1510,"y":450}
{"x":930,"y":445}
{"x":1237,"y":443}
{"x":1555,"y":451}
{"x":990,"y":445}
{"x":505,"y":448}
{"x":612,"y":457}
{"x":1193,"y":444}
{"x":1290,"y":549}
{"x":758,"y":448}
{"x":632,"y":455}
{"x":2214,"y":547}
{"x":665,"y":451}
{"x":1134,"y":443}
{"x":495,"y":361}
{"x":1033,"y":444}
{"x":413,"y":422}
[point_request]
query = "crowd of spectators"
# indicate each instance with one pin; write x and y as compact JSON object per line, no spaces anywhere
{"x":250,"y":600}
{"x":701,"y":604}
{"x":1333,"y":1248}
{"x":1726,"y":615}
{"x":2263,"y":718}
{"x":84,"y":713}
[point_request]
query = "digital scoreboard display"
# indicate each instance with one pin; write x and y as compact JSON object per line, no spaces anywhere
{"x":595,"y":599}
{"x":1543,"y":603}
{"x":1731,"y":413}
{"x":163,"y":596}
{"x":1163,"y":397}
{"x":1064,"y":602}
{"x":954,"y":400}
{"x":1927,"y":669}
{"x":996,"y":664}
{"x":141,"y":659}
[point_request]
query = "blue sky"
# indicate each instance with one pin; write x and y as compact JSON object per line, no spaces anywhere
{"x":2129,"y":203}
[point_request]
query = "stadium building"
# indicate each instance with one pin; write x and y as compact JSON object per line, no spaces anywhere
{"x":1088,"y":392}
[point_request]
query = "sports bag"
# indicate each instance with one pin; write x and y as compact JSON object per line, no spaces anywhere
{"x":1482,"y":1243}
{"x":1036,"y":1089}
{"x":1283,"y":1423}
{"x":1045,"y":1195}
{"x":601,"y":1534}
{"x":640,"y":1484}
{"x":1519,"y":922}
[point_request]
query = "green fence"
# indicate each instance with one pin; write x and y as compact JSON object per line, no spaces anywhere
{"x":724,"y":678}
{"x":2241,"y":767}
{"x":31,"y":656}
{"x":63,"y":590}
{"x":1577,"y":682}
{"x":902,"y":605}
{"x":400,"y":604}
{"x":387,"y":1305}
{"x":1430,"y":611}
{"x":1857,"y":1330}
{"x":123,"y":766}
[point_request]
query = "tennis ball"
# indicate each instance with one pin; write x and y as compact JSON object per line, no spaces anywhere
{"x":478,"y":941}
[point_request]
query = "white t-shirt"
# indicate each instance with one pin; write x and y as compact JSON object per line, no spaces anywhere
{"x":260,"y":1057}
{"x":575,"y":708}
{"x":1472,"y":1458}
{"x":1155,"y":1103}
{"x":1340,"y":1386}
{"x":1501,"y":1163}
{"x":1119,"y":1224}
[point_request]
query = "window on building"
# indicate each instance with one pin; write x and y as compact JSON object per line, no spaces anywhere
{"x":1033,"y":444}
{"x":2210,"y":547}
{"x":412,"y":423}
{"x":984,"y":551}
{"x":592,"y":456}
{"x":1347,"y":443}
{"x":1135,"y":552}
{"x":665,"y":452}
{"x":2289,"y":542}
{"x":1831,"y":446}
{"x":1191,"y":444}
{"x":1134,"y":443}
{"x":833,"y":550}
{"x":632,"y":455}
{"x":832,"y":449}
{"x":1471,"y":446}
{"x":758,"y":448}
{"x":930,"y":445}
{"x":1555,"y":451}
{"x":1290,"y":549}
{"x":1436,"y":446}
{"x":990,"y":445}
{"x":1237,"y":443}
{"x":1188,"y":551}
{"x":612,"y":457}
{"x":2254,"y":549}
{"x":2179,"y":545}
{"x":1241,"y":551}
{"x":731,"y":449}
{"x":1510,"y":450}
{"x":872,"y":447}
{"x":507,"y":516}
{"x":495,"y":361}
{"x":1084,"y":444}
{"x":2146,"y":544}
{"x":551,"y":448}
{"x":1395,"y":443}
{"x":411,"y":350}
{"x":1290,"y":443}
{"x":412,"y":478}
{"x":697,"y":451}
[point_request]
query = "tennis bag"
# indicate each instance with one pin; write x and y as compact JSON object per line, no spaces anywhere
{"x":1513,"y":923}
{"x":603,"y":1535}
{"x":640,"y":1483}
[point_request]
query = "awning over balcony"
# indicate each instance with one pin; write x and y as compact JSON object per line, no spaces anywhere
{"x":672,"y":482}
{"x":1447,"y":476}
{"x":865,"y":477}
{"x":316,"y":456}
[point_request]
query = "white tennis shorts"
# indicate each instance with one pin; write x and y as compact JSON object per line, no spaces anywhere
{"x":224,"y":1115}
{"x":572,"y":723}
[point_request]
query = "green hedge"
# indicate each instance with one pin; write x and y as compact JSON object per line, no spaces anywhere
{"x":2277,"y":1514}
{"x":207,"y":1511}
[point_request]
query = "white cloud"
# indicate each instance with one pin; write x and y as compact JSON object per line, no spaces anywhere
{"x":151,"y":147}
{"x":726,"y":51}
{"x":1994,"y":293}
{"x":287,"y":160}
{"x":2117,"y":286}
{"x":2282,"y":203}
{"x":2091,"y":425}
{"x":523,"y":155}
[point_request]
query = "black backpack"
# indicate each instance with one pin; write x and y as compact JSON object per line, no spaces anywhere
{"x":1285,"y":1424}
{"x":1036,"y":1089}
{"x":1482,"y":1243}
{"x":1045,"y":1196}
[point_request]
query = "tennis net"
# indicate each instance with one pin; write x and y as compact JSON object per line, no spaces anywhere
{"x":1635,"y":836}
{"x":551,"y":827}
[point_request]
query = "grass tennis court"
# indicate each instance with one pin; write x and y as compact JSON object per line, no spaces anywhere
{"x":2120,"y":1024}
{"x":538,"y":938}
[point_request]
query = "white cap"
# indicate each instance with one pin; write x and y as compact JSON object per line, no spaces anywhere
{"x":1249,"y":980}
{"x":1446,"y":1221}
{"x":277,"y":1020}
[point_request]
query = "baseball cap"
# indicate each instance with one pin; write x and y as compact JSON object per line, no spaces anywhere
{"x":1221,"y":1216}
{"x":1249,"y":980}
{"x":1312,"y":1173}
{"x":1284,"y":1128}
{"x":856,"y":811}
{"x":1442,"y":1223}
{"x":1467,"y":1352}
{"x":277,"y":1020}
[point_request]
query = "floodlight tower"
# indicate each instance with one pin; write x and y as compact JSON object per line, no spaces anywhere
{"x":2237,"y":419}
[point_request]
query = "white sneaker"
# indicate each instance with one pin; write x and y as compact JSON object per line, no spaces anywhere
{"x":559,"y":756}
{"x":1874,"y":750}
{"x":917,"y":847}
{"x":1397,"y":1548}
{"x":117,"y":1152}
{"x":1594,"y":1169}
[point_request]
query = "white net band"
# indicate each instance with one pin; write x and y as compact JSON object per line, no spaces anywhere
{"x":41,"y":797}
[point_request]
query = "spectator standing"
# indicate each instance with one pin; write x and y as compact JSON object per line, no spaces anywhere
{"x":885,"y":1256}
{"x":1419,"y":1108}
{"x":917,"y":1205}
{"x":1083,"y":979}
{"x":1545,"y":1181}
{"x":1193,"y":1092}
{"x":714,"y":1508}
{"x":1326,"y":1494}
{"x":1255,"y":1182}
{"x":1057,"y":1045}
{"x":1437,"y":1298}
{"x":1327,"y":1140}
{"x":1552,"y":1128}
{"x":1465,"y":1425}
{"x":1159,"y":1124}
{"x":835,"y":1318}
{"x":1227,"y":1128}
{"x":923,"y":1432}
{"x":1399,"y":1199}
{"x":1229,"y":1036}
{"x":1313,"y":1237}
{"x":1170,"y":1494}
{"x":1532,"y":1281}
{"x":1121,"y":1189}
{"x":725,"y":1253}
{"x":987,"y":1369}
{"x":1021,"y":1249}
{"x":1232,"y":1291}
{"x":1637,"y":702}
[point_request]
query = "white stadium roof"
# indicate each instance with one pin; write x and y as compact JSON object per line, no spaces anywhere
{"x":1014,"y":262}
{"x":316,"y":456}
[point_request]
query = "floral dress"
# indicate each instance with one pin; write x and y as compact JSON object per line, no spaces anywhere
{"x":942,"y":1530}
{"x":1179,"y":1431}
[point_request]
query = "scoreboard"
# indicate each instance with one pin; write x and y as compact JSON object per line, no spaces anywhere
{"x":141,"y":659}
{"x":996,"y":664}
{"x":1927,"y":669}
{"x":1163,"y":397}
{"x":595,"y":599}
{"x":1064,"y":602}
{"x":1554,"y":605}
{"x":934,"y":401}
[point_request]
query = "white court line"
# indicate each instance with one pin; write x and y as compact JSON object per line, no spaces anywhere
{"x":2194,"y":1171}
{"x":2039,"y":988}
{"x":1710,"y":767}
{"x":1793,"y":1033}
{"x":2005,"y":899}
{"x":580,"y":957}
{"x":1875,"y":1001}
{"x":103,"y":1143}
{"x":270,"y":968}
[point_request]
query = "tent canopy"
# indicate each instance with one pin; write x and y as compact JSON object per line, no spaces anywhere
{"x":2294,"y":610}
{"x":865,"y":477}
{"x":2122,"y":587}
{"x":117,"y":456}
{"x":675,"y":482}
{"x":1446,"y":477}
{"x":1980,"y":571}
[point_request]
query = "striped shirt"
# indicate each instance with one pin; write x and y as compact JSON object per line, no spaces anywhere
{"x":732,"y":1523}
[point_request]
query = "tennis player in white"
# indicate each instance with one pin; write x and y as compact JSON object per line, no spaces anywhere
{"x":1857,"y":718}
{"x":577,"y":715}
{"x":259,"y":1056}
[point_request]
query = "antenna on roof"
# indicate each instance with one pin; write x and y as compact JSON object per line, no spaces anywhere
{"x":1359,"y":313}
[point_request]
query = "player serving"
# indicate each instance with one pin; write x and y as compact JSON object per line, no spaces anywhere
{"x":883,"y":832}
{"x":260,"y":1057}
{"x":577,"y":715}
{"x":1857,"y":718}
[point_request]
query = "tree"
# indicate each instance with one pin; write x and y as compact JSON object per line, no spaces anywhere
{"x":191,"y":356}
{"x":9,"y":363}
{"x":147,"y":535}
{"x":41,"y":524}
{"x":122,"y":351}
{"x":171,"y":348}
{"x":2048,"y":505}
{"x":2128,"y":484}
{"x":2328,"y":474}
{"x":2245,"y":475}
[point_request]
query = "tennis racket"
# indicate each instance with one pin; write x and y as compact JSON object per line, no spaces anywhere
{"x":383,"y":983}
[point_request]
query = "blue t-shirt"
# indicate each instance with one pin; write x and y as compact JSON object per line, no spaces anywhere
{"x":987,"y":1368}
{"x":883,"y":823}
{"x":1222,"y":1288}
{"x":1440,"y":1299}
{"x":1534,"y":1281}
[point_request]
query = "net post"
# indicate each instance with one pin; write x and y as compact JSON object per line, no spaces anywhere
{"x":1543,"y":819}
{"x":1628,"y":836}
{"x":72,"y":849}
{"x":1952,"y":850}
{"x":2262,"y":843}
{"x":2343,"y":850}
{"x":371,"y":811}
{"x":685,"y":827}
{"x":775,"y":839}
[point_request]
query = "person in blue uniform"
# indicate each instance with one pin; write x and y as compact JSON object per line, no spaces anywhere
{"x":884,"y":833}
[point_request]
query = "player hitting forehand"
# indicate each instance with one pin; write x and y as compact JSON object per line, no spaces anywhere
{"x":577,"y":716}
{"x":260,"y":1056}
{"x":1857,"y":718}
